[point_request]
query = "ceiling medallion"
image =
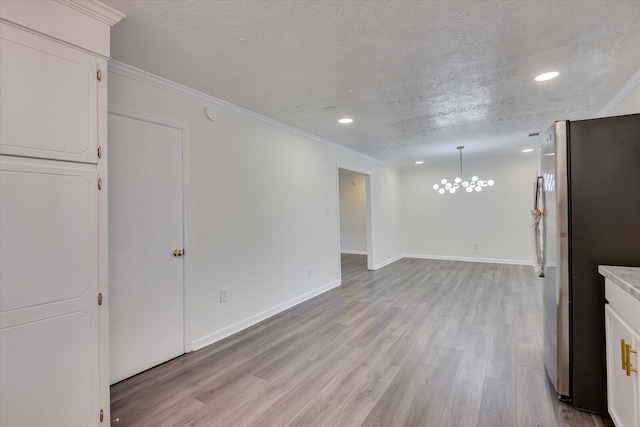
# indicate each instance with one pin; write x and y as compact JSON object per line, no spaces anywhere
{"x":475,"y":183}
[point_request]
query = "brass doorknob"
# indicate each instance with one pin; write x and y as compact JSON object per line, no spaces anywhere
{"x":178,"y":252}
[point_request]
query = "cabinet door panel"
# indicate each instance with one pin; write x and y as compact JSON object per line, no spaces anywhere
{"x":49,"y":326}
{"x":622,"y":389}
{"x":48,"y":104}
{"x":49,"y":362}
{"x":48,"y":249}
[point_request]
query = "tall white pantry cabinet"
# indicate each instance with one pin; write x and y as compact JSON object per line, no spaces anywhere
{"x":54,"y":366}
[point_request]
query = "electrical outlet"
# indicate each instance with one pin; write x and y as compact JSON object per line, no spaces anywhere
{"x":223,"y":295}
{"x":309,"y":272}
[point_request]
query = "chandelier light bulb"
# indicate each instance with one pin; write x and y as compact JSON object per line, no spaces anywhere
{"x":474,"y":184}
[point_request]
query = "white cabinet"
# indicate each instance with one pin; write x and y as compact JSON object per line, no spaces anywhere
{"x":54,"y":367}
{"x":623,"y":342}
{"x":49,"y":230}
{"x":48,"y":103}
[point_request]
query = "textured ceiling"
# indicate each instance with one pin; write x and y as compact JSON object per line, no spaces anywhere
{"x":418,"y":77}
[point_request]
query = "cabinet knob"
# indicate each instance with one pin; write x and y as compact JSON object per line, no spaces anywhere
{"x":178,"y":252}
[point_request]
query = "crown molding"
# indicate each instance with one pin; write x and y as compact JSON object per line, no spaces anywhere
{"x":96,"y":10}
{"x":621,"y":95}
{"x":142,"y":76}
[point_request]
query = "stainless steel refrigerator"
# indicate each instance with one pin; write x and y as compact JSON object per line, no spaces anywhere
{"x":591,"y":216}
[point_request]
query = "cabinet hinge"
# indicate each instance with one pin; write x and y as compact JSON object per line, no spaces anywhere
{"x":101,"y":415}
{"x":100,"y":298}
{"x":99,"y":75}
{"x":99,"y":152}
{"x":99,"y":183}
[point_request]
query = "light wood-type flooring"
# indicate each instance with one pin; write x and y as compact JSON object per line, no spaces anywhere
{"x":417,"y":343}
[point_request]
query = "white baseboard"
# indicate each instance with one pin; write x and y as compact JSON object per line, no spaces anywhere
{"x":353,"y":252}
{"x":387,"y":262}
{"x":469,"y":259}
{"x":257,"y":318}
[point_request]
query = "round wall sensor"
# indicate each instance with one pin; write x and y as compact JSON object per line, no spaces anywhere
{"x":212,"y":113}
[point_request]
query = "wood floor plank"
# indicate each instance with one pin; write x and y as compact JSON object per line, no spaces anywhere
{"x":501,"y":364}
{"x":430,"y":400}
{"x":498,"y":406}
{"x":467,"y":390}
{"x":419,"y":342}
{"x":300,"y":370}
{"x":459,"y":416}
{"x":178,"y":413}
{"x":285,"y":408}
{"x":310,"y":413}
{"x":534,"y":405}
{"x":354,"y":409}
{"x":394,"y":406}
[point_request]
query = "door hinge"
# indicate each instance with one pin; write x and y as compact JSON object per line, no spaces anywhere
{"x":99,"y":75}
{"x":100,"y":298}
{"x":99,"y":152}
{"x":99,"y":183}
{"x":101,"y":415}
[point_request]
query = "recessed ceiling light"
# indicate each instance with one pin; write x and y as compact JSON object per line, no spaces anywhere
{"x":345,"y":121}
{"x":547,"y":76}
{"x":419,"y":162}
{"x":527,"y":150}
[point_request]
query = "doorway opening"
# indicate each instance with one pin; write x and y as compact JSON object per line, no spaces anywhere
{"x":354,"y":218}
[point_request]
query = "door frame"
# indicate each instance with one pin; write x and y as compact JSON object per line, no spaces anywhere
{"x":369,"y":217}
{"x":186,"y":205}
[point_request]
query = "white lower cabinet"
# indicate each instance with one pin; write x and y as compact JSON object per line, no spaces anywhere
{"x":49,"y":312}
{"x":623,"y":383}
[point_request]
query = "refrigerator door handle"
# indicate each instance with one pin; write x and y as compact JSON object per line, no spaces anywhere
{"x":538,"y":193}
{"x":537,"y":227}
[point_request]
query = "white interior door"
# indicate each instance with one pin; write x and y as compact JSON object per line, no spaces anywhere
{"x":145,"y":227}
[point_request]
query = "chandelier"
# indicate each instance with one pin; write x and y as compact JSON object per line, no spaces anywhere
{"x":475,"y":183}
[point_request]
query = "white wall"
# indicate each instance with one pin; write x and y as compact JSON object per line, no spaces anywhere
{"x":630,"y":104}
{"x":449,"y":225}
{"x":260,"y":198}
{"x":353,"y":214}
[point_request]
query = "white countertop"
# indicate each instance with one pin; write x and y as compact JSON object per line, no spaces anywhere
{"x":627,"y":278}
